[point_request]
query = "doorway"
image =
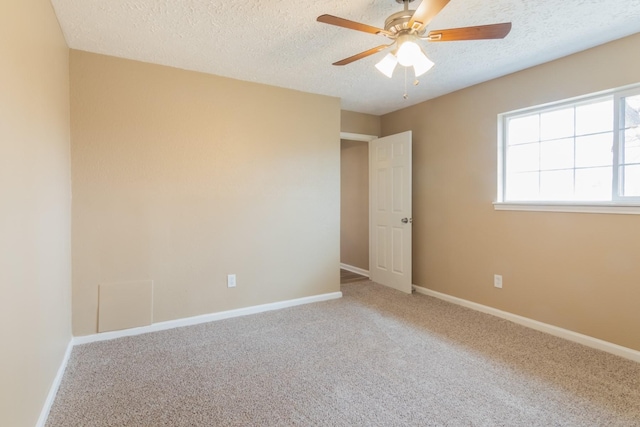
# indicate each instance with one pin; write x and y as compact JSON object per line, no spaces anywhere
{"x":375,"y":217}
{"x":354,"y":208}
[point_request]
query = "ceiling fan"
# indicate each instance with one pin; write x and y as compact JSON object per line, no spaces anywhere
{"x":408,"y":27}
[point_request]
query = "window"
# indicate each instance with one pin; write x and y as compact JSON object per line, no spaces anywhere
{"x":584,"y":151}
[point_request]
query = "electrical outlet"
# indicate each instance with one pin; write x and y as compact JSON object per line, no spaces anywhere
{"x":231,"y":280}
{"x":497,"y":281}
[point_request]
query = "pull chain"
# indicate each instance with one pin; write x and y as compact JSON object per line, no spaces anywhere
{"x":406,"y":95}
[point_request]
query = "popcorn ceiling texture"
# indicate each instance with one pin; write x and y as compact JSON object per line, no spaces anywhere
{"x":279,"y":42}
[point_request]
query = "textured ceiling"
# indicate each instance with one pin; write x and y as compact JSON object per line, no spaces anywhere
{"x":279,"y":42}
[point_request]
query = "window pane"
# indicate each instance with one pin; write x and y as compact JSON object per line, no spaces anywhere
{"x":521,"y":158}
{"x":524,"y":129}
{"x":594,"y":118}
{"x":632,"y":137}
{"x":593,"y":184}
{"x":632,"y":155}
{"x":594,"y":150}
{"x":631,"y":111}
{"x":523,"y":186}
{"x":557,"y":154}
{"x":556,"y":185}
{"x":632,"y":181}
{"x":631,"y":146}
{"x":556,"y":124}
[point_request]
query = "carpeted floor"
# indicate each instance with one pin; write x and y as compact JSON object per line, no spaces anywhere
{"x":376,"y":357}
{"x":350,"y":277}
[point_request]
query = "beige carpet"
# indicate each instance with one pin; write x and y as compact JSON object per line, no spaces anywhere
{"x":350,"y":277}
{"x":376,"y":357}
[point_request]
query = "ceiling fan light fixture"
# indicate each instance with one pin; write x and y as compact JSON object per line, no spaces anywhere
{"x":409,"y":52}
{"x":387,"y":65}
{"x":422,"y":64}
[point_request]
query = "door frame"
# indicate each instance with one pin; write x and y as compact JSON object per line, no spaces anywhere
{"x":366,"y":138}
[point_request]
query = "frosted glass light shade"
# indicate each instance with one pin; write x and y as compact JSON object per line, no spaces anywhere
{"x":422,"y":64}
{"x":387,"y":65}
{"x":408,"y":53}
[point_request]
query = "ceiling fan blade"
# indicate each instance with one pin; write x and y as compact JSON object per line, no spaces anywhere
{"x":427,"y":10}
{"x":352,"y":25}
{"x":361,"y":55}
{"x":481,"y":32}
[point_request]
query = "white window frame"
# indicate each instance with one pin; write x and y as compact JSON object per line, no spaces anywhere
{"x":618,"y":204}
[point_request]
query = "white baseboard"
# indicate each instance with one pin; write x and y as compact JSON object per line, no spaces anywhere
{"x":592,"y":342}
{"x":356,"y":270}
{"x":46,"y":408}
{"x":161,"y":326}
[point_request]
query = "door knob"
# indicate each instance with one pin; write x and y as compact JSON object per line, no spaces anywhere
{"x":406,"y":220}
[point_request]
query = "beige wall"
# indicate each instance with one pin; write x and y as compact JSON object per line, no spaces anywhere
{"x":577,"y":271}
{"x":365,"y":124}
{"x":183,"y":178}
{"x":35,"y":264}
{"x":354,"y":203}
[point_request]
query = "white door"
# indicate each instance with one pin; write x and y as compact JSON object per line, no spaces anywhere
{"x":390,"y":211}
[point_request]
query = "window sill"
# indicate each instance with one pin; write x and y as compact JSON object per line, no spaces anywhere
{"x":598,"y":208}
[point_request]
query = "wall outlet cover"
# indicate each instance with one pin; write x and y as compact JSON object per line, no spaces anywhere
{"x":497,"y":281}
{"x":231,"y":280}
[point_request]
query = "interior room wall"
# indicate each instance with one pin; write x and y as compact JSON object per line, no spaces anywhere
{"x":35,"y":187}
{"x":182,"y":178}
{"x":354,"y":203}
{"x":576,"y":271}
{"x":354,"y":122}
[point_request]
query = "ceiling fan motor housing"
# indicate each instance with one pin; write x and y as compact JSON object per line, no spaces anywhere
{"x":399,"y":22}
